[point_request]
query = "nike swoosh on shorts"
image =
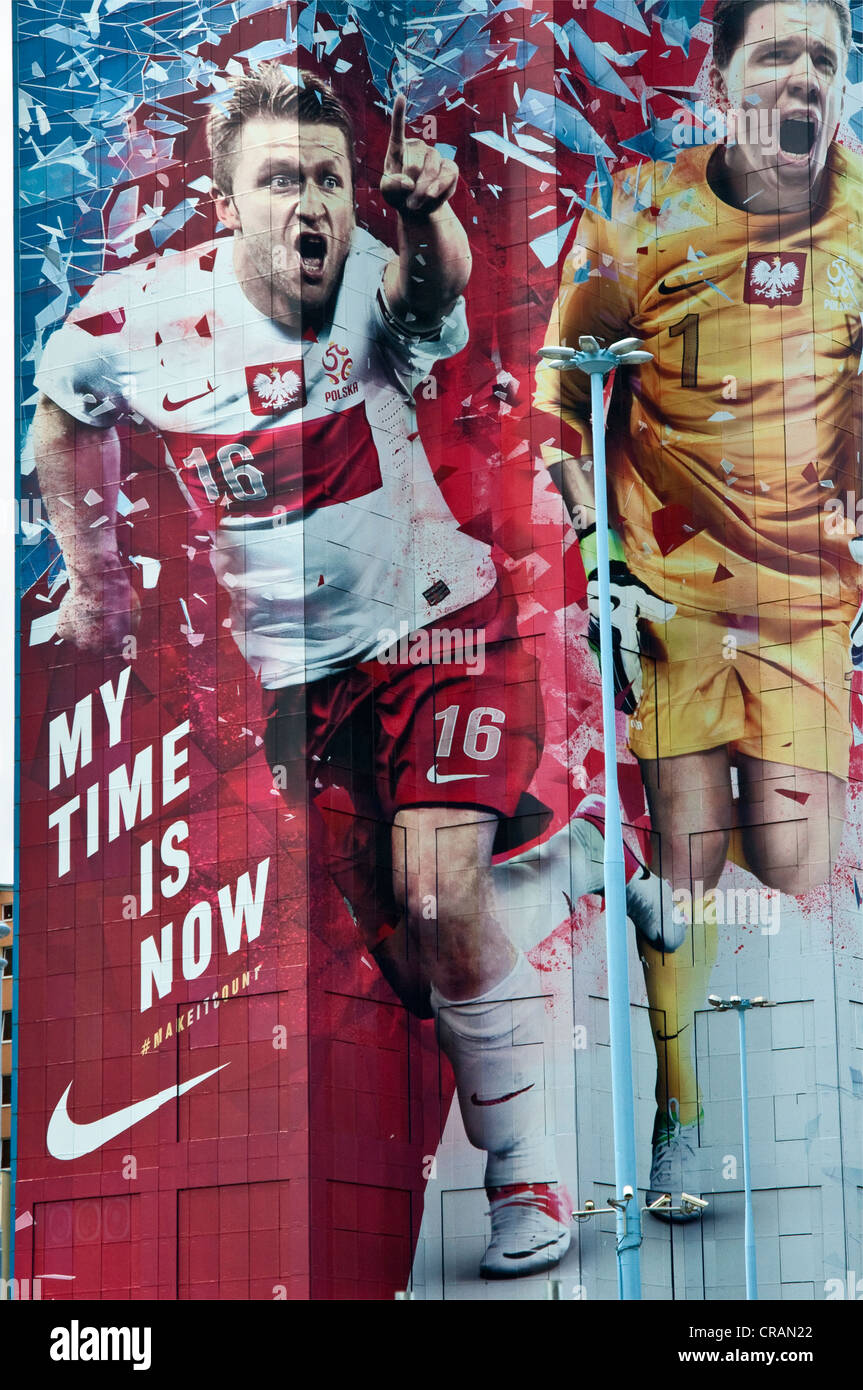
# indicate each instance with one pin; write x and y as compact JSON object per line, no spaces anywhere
{"x":434,"y":776}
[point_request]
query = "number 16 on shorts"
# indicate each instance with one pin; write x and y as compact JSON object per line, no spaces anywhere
{"x":475,"y":734}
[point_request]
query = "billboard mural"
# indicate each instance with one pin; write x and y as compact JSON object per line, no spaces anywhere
{"x":313,"y":995}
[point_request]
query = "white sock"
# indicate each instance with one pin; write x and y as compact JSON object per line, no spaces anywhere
{"x":500,"y":1051}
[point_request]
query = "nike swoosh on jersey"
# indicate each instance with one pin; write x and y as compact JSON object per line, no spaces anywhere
{"x":434,"y":776}
{"x":698,"y":283}
{"x":499,"y":1100}
{"x":178,"y":405}
{"x":67,"y":1140}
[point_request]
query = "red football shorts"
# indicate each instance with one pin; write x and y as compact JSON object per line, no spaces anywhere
{"x":450,"y":715}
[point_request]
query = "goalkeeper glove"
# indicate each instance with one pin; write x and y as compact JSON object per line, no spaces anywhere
{"x":631,"y":601}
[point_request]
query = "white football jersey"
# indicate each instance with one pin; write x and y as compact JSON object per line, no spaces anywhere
{"x":300,"y":455}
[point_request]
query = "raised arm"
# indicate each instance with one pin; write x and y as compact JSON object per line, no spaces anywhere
{"x":74,"y":460}
{"x":434,"y":262}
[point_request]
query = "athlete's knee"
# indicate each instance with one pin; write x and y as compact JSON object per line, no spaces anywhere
{"x":442,"y":859}
{"x":792,"y":857}
{"x":447,"y":921}
{"x":792,"y":879}
{"x":407,"y":978}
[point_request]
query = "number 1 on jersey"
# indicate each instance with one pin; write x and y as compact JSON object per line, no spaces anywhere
{"x":687,"y":329}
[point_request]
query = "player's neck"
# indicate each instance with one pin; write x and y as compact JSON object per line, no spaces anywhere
{"x":262,"y":294}
{"x":761,"y":192}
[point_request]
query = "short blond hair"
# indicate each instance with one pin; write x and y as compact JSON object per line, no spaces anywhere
{"x":268,"y":90}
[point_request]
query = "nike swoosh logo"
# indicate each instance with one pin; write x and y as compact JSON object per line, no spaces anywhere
{"x":499,"y":1100}
{"x":698,"y":283}
{"x":669,"y":1037}
{"x":67,"y":1140}
{"x":178,"y":405}
{"x":526,"y":1254}
{"x":434,"y":776}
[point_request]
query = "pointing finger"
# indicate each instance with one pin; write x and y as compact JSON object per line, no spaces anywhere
{"x":395,"y":149}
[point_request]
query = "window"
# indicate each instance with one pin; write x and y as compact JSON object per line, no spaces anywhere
{"x":7,"y":911}
{"x":7,"y":1026}
{"x":8,"y":955}
{"x":6,"y":1091}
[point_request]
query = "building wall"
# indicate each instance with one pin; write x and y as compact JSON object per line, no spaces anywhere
{"x":306,"y":1142}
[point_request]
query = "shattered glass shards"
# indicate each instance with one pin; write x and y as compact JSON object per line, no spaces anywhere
{"x":509,"y":150}
{"x":657,"y":143}
{"x":547,"y":248}
{"x":676,"y":19}
{"x":624,"y":11}
{"x":555,"y":117}
{"x":171,"y":222}
{"x":596,"y":67}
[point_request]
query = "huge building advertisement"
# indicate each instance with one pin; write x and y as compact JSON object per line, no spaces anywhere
{"x":313,"y":985}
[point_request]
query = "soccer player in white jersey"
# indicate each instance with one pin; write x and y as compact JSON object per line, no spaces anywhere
{"x":277,"y":368}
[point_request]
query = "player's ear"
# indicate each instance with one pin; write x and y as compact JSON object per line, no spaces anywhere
{"x":718,"y":89}
{"x":226,"y":210}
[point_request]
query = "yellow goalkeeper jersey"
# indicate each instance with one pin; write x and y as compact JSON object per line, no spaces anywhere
{"x":731,"y":453}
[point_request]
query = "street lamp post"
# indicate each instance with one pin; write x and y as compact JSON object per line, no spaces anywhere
{"x":597,"y":362}
{"x":740,"y":1006}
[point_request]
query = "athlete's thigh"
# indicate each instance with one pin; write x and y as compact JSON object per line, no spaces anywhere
{"x":321,"y":745}
{"x":791,"y":820}
{"x":691,"y":812}
{"x":443,"y":850}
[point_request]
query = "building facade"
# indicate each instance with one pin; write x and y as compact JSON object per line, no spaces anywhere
{"x":310,"y":948}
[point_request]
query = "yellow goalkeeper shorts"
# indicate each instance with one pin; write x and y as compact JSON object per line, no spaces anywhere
{"x":774,"y":683}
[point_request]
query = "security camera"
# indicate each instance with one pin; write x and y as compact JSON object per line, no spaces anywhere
{"x":661,"y":1202}
{"x":693,"y":1203}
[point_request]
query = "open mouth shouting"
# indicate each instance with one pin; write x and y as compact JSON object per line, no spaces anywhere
{"x":798,"y":133}
{"x":312,"y":248}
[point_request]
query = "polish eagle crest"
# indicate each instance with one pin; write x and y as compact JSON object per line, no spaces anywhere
{"x":774,"y":279}
{"x":278,"y":389}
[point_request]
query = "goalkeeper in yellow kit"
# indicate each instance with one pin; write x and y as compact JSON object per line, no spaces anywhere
{"x":734,"y":589}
